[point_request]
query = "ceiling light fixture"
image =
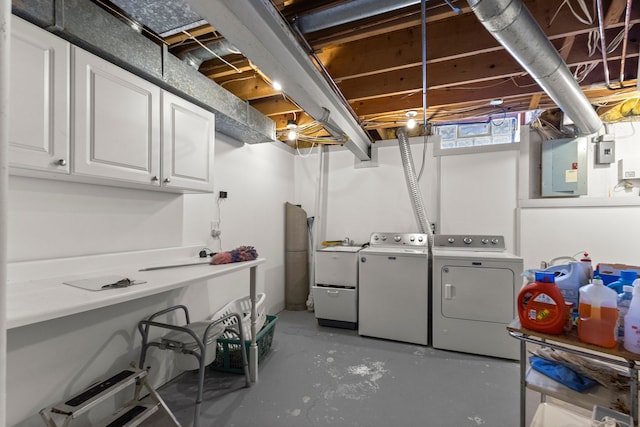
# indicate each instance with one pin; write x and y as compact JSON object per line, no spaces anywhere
{"x":496,"y":102}
{"x":411,"y":114}
{"x":293,"y":133}
{"x":276,"y":85}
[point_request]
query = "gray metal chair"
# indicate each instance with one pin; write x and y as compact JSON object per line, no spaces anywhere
{"x":192,"y":339}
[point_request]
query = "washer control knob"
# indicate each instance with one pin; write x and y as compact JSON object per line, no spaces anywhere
{"x":397,"y":238}
{"x":451,"y":240}
{"x":495,"y":241}
{"x":420,"y":239}
{"x":412,"y":238}
{"x":467,"y":240}
{"x":384,"y":238}
{"x":484,"y":241}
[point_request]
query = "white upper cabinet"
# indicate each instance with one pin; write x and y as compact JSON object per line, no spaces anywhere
{"x":88,"y":120}
{"x":117,"y":122}
{"x":39,"y":105}
{"x":188,"y":133}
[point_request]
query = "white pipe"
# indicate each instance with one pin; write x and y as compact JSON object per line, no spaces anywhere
{"x":5,"y":57}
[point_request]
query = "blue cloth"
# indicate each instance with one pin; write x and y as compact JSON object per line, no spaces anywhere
{"x":562,"y":374}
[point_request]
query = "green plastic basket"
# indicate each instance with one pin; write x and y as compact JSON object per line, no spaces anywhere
{"x":228,"y":356}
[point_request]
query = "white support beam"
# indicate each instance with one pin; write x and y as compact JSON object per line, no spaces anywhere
{"x":258,"y":30}
{"x":5,"y":57}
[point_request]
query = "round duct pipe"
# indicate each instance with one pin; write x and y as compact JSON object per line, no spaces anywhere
{"x":424,"y":226}
{"x":511,"y":23}
{"x":208,"y":51}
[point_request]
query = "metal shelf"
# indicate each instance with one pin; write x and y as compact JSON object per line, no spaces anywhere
{"x":569,"y":342}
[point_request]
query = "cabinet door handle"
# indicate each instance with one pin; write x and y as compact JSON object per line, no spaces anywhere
{"x":167,"y":180}
{"x":154,"y":178}
{"x":61,"y":162}
{"x":333,"y":293}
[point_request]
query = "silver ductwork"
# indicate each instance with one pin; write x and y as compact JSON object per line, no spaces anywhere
{"x":511,"y":23}
{"x":217,"y":49}
{"x":424,"y":226}
{"x":348,"y":12}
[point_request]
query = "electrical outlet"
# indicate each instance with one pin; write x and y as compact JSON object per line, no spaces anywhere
{"x":215,"y":229}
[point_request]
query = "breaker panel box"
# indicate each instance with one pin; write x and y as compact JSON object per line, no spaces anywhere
{"x":564,"y":167}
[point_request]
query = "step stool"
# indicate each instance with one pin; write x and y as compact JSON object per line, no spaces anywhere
{"x":131,"y":414}
{"x":197,"y":339}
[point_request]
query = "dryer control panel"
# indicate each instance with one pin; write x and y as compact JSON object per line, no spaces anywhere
{"x":470,"y":242}
{"x":398,"y":239}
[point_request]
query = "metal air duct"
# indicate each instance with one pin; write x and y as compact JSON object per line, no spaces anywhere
{"x":348,"y":12}
{"x":217,"y":49}
{"x":511,"y":23}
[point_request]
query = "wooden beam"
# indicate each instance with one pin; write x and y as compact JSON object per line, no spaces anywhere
{"x":535,"y":101}
{"x":275,"y":106}
{"x":195,"y":32}
{"x":615,"y":12}
{"x":448,"y":39}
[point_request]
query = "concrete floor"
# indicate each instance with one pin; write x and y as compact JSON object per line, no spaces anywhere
{"x":319,"y":376}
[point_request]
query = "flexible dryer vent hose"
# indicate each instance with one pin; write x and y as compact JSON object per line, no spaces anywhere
{"x":424,"y":225}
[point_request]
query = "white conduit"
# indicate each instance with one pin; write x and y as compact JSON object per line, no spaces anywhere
{"x":5,"y":57}
{"x":424,"y":225}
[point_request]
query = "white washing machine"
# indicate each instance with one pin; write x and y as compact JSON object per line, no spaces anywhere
{"x":335,"y":294}
{"x":475,"y":287}
{"x":393,"y":299}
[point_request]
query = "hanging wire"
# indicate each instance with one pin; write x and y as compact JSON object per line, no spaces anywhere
{"x":587,"y":21}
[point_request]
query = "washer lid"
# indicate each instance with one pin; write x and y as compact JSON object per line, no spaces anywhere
{"x":341,"y":249}
{"x":395,"y":250}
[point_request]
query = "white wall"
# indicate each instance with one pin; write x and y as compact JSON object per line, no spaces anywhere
{"x":50,"y":219}
{"x":482,"y":193}
{"x":361,"y":199}
{"x":603,"y":223}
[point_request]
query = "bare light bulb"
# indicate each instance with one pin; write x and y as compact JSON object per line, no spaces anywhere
{"x":411,"y":123}
{"x":292,"y":135}
{"x":276,"y":85}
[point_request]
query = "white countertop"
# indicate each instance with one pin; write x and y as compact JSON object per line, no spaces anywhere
{"x":41,"y":299}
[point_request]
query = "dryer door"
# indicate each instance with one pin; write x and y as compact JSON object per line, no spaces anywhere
{"x":484,"y":294}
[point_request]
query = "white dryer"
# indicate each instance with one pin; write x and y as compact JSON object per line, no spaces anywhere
{"x":393,"y":288}
{"x":475,"y":287}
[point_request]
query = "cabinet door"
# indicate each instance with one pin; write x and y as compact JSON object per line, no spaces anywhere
{"x":188,"y":144}
{"x":39,"y":106}
{"x":117,"y":122}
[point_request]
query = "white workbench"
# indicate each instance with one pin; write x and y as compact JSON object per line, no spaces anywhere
{"x":36,"y":291}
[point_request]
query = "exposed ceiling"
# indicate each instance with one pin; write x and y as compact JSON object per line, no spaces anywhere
{"x":376,"y":60}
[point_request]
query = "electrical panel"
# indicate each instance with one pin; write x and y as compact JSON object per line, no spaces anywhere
{"x":605,"y":150}
{"x":564,"y":167}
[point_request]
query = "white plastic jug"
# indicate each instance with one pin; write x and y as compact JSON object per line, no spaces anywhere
{"x":632,"y":322}
{"x":598,"y":314}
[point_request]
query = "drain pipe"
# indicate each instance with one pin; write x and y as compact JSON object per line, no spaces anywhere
{"x":5,"y":58}
{"x":424,"y":226}
{"x":511,"y":23}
